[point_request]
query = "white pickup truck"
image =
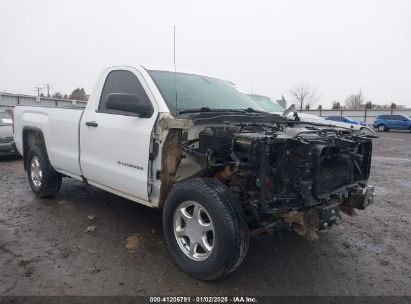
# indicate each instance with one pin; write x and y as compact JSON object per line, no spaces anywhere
{"x":216,"y":162}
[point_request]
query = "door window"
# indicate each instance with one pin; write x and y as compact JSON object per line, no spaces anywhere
{"x":125,"y":82}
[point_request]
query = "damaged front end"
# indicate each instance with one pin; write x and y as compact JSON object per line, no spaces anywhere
{"x":298,"y":177}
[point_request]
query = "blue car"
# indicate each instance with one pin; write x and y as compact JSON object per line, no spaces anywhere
{"x":393,"y":121}
{"x":346,"y":120}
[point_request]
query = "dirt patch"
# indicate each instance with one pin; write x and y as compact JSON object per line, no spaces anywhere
{"x":132,"y":242}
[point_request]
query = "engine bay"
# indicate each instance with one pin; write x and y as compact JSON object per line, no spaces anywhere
{"x":277,"y":170}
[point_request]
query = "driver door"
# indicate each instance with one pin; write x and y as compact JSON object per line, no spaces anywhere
{"x":115,"y":145}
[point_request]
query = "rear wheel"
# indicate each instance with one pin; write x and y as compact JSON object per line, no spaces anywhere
{"x":43,"y":179}
{"x":205,"y":228}
{"x":382,"y":128}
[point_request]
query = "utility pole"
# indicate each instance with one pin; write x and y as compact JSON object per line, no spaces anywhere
{"x":48,"y":87}
{"x":38,"y":89}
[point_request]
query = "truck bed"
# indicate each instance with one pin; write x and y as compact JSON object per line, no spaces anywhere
{"x":60,"y":128}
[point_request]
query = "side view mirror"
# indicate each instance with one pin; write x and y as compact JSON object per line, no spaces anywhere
{"x":128,"y":103}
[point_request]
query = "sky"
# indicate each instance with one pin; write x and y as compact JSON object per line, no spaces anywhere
{"x":264,"y":47}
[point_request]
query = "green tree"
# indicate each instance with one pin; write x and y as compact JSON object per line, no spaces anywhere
{"x":57,"y":95}
{"x":368,"y":105}
{"x":78,"y":94}
{"x":336,"y":105}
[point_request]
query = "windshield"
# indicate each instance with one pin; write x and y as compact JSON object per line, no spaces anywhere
{"x":196,"y":91}
{"x":5,"y":119}
{"x":267,"y":103}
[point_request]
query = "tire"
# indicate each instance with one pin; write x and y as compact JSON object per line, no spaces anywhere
{"x":382,"y":128}
{"x":43,"y":179}
{"x":230,"y":236}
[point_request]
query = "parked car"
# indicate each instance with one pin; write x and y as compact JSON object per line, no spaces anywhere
{"x":273,"y":107}
{"x":392,"y":121}
{"x":346,"y":119}
{"x":218,"y":164}
{"x":7,"y":146}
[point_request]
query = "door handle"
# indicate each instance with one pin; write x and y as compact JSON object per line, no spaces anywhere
{"x":91,"y":124}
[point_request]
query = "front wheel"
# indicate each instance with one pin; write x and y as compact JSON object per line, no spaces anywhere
{"x":382,"y":128}
{"x":43,"y":179}
{"x":205,"y":228}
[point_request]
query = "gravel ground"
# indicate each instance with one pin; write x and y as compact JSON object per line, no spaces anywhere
{"x":45,"y":249}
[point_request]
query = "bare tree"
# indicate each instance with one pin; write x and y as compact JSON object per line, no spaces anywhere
{"x":355,"y":101}
{"x":304,"y":95}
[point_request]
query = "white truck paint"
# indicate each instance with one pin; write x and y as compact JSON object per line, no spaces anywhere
{"x":80,"y":151}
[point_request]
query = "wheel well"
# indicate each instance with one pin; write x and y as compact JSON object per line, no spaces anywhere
{"x":31,"y":137}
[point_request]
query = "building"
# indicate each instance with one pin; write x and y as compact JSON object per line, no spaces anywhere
{"x":9,"y":101}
